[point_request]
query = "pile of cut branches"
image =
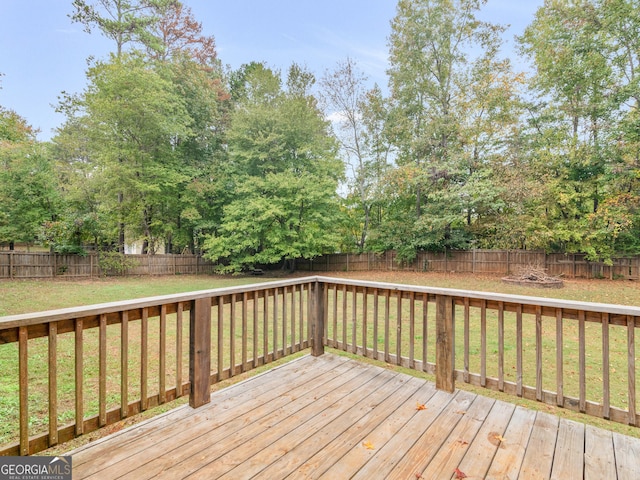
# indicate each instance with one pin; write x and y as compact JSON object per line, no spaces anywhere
{"x":534,"y":275}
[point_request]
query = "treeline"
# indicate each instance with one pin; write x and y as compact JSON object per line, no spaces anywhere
{"x":461,"y":151}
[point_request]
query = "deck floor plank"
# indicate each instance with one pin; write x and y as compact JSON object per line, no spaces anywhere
{"x":478,"y":458}
{"x":268,"y":441}
{"x":186,"y":458}
{"x":627,"y":452}
{"x":599,"y":456}
{"x":512,"y":445}
{"x":331,"y":417}
{"x":538,"y":458}
{"x":568,"y":460}
{"x":185,"y":422}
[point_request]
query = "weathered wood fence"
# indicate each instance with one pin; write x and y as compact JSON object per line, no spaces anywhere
{"x":18,"y":264}
{"x":495,"y":262}
{"x":125,"y":357}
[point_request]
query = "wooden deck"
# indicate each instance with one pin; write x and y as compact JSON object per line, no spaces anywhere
{"x":334,"y":418}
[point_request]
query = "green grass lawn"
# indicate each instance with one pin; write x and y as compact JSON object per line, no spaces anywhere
{"x":29,"y":296}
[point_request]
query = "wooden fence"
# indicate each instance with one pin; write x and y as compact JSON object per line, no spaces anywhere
{"x":17,"y":265}
{"x":495,"y":262}
{"x":121,"y":358}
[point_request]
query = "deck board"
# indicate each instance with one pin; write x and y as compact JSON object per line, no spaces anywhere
{"x":331,"y":417}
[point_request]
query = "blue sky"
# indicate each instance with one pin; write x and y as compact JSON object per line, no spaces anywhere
{"x":42,"y":53}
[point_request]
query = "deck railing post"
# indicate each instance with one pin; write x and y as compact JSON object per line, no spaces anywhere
{"x":200,"y":352}
{"x":445,"y":345}
{"x":317,"y":318}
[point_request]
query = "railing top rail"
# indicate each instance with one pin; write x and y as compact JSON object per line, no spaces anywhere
{"x":26,"y":319}
{"x":498,"y":297}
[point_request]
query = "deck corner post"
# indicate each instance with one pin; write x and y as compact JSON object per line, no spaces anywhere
{"x":200,"y":352}
{"x":445,"y":345}
{"x":317,"y":318}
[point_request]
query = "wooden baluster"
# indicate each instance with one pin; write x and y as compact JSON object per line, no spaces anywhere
{"x":606,"y":391}
{"x":387,"y":333}
{"x":539,"y":353}
{"x":220,"y":333}
{"x":582,"y":341}
{"x":162,"y":367}
{"x":519,"y":387}
{"x":294,"y":341}
{"x":398,"y":327}
{"x":79,"y":377}
{"x":179,"y":350}
{"x":354,"y":319}
{"x":144,"y":359}
{"x":275,"y":323}
{"x":466,"y":339}
{"x":102,"y":371}
{"x":483,"y":344}
{"x":344,"y":317}
{"x":335,"y":316}
{"x":256,"y":329}
{"x":245,"y":331}
{"x":265,"y":326}
{"x":501,"y":346}
{"x":631,"y":373}
{"x":124,"y":364}
{"x":375,"y":323}
{"x":559,"y":358}
{"x":425,"y":330}
{"x":23,"y":368}
{"x":412,"y":329}
{"x":365,"y":326}
{"x":53,"y":383}
{"x":232,"y":336}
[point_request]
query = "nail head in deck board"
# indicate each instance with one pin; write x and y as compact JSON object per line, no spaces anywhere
{"x":200,"y":352}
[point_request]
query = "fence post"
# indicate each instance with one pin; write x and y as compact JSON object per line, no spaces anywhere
{"x":200,"y":352}
{"x":445,"y":346}
{"x":317,"y":318}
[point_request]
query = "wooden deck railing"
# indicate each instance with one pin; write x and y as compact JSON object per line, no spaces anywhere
{"x":80,"y":369}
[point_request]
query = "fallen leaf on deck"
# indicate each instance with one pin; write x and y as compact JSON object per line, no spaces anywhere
{"x":420,"y":406}
{"x":462,"y":442}
{"x":461,"y":412}
{"x":459,"y":474}
{"x":500,"y":438}
{"x":418,"y":476}
{"x":368,"y":445}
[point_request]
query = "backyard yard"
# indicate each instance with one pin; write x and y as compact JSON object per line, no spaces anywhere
{"x":28,"y":296}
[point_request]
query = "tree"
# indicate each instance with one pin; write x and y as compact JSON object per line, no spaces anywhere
{"x":28,"y":188}
{"x":284,"y":174}
{"x":123,"y":21}
{"x":133,"y":119}
{"x":356,"y":113}
{"x":438,"y":51}
{"x":585,"y":75}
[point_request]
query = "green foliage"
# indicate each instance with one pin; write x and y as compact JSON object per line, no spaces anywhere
{"x":283,"y":203}
{"x":114,"y":263}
